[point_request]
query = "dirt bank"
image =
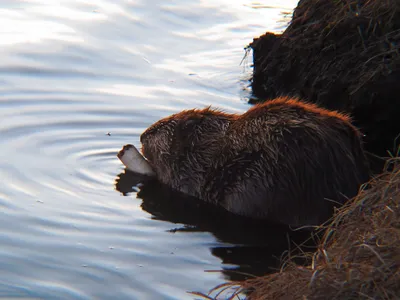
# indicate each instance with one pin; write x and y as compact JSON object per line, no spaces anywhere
{"x":357,"y":258}
{"x":341,"y":54}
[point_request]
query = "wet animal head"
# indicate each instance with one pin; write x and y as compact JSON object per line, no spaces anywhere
{"x":180,"y":146}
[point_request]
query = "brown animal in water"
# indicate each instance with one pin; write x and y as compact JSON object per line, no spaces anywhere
{"x":283,"y":160}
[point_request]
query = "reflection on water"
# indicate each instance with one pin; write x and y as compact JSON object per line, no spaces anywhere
{"x":250,"y":246}
{"x":80,"y":79}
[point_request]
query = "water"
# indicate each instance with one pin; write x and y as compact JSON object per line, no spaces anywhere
{"x":78,"y":81}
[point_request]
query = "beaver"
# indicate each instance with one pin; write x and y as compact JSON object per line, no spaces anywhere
{"x":284,"y":160}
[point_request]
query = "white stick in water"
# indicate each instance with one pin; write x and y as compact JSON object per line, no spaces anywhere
{"x":134,"y":161}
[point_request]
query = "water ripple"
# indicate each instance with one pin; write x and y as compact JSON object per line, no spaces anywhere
{"x":80,"y":80}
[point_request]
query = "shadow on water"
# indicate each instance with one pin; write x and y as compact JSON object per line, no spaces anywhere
{"x":254,"y":247}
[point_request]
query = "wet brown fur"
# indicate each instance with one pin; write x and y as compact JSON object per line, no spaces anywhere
{"x":282,"y":160}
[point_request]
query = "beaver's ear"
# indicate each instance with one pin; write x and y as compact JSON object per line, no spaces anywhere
{"x":191,"y":122}
{"x":186,"y":127}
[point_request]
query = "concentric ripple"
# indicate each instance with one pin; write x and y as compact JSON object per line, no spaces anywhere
{"x":78,"y":81}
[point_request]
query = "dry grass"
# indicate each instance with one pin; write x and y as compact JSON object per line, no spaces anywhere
{"x":368,"y":28}
{"x":357,"y":258}
{"x":358,"y":39}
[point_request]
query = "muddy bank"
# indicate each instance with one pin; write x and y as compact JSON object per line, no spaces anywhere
{"x":342,"y":55}
{"x":357,"y":258}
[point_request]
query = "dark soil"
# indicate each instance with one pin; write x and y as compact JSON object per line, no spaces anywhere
{"x":343,"y":55}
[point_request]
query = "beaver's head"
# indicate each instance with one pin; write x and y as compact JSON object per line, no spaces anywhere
{"x":181,"y":146}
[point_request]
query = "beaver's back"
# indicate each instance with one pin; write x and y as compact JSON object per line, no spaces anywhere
{"x":288,"y":161}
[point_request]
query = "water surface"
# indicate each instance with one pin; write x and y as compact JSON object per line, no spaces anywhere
{"x":79,"y":80}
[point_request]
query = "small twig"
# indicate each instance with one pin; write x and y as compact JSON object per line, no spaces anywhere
{"x":382,"y":54}
{"x":362,"y":84}
{"x":362,"y":37}
{"x":373,"y":251}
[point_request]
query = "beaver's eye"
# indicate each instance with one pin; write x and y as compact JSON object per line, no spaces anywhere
{"x":191,"y":122}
